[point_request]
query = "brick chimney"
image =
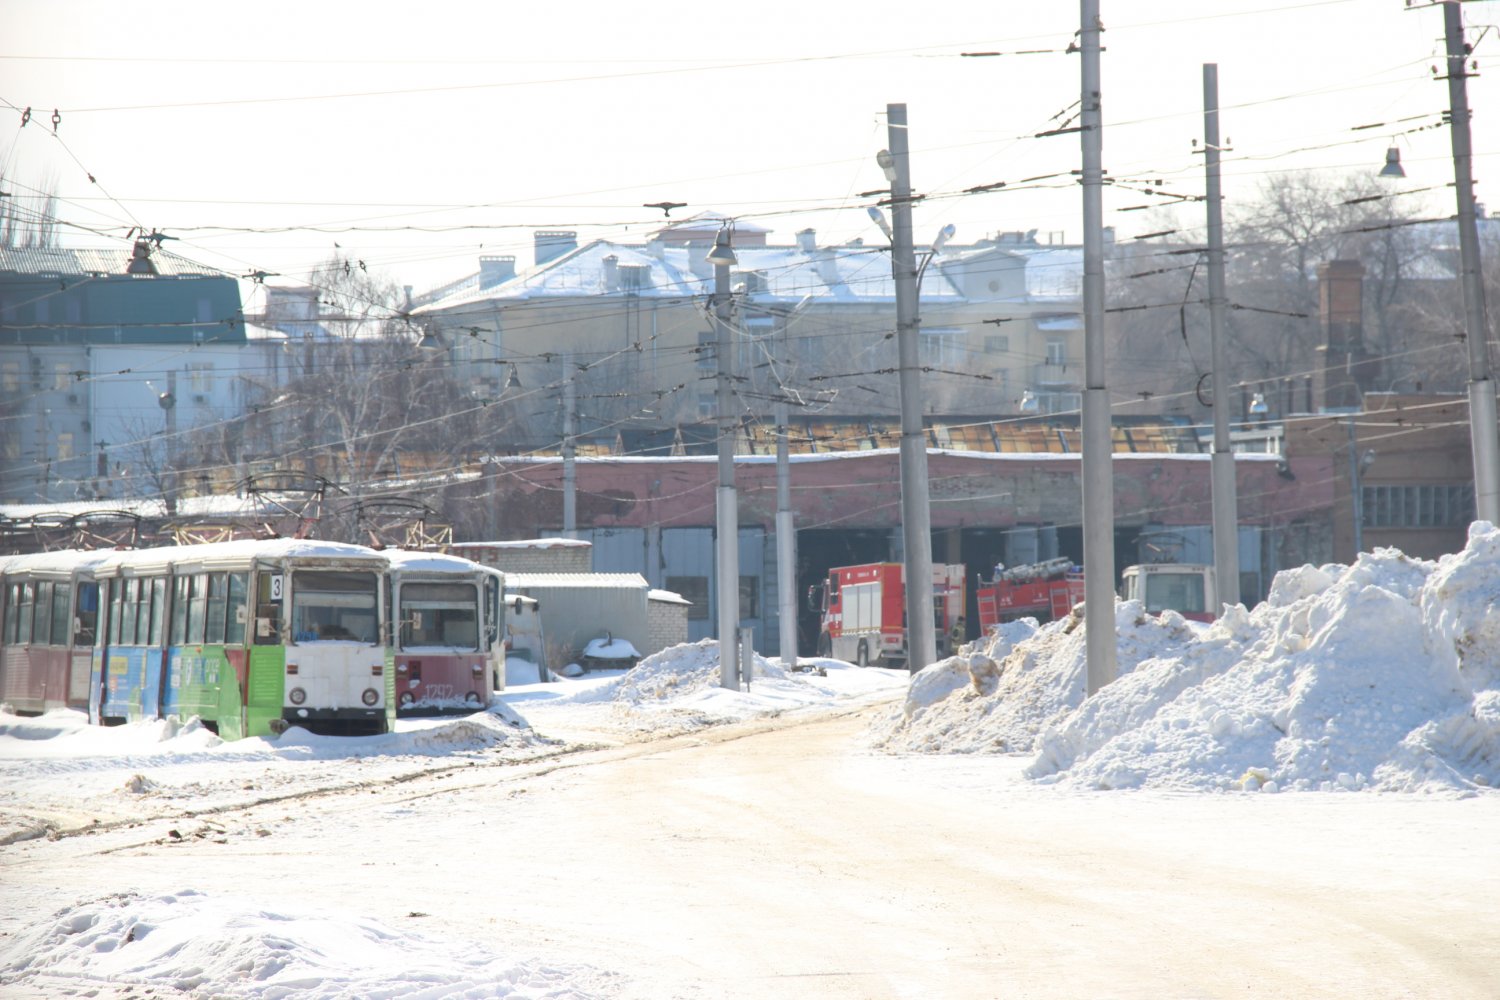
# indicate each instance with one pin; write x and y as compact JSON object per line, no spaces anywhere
{"x":1346,"y":371}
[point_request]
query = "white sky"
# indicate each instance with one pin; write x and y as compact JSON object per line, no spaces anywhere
{"x":501,"y":118}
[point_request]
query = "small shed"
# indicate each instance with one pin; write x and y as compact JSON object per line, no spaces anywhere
{"x":666,"y":620}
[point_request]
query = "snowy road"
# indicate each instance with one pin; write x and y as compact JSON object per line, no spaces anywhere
{"x":780,"y":859}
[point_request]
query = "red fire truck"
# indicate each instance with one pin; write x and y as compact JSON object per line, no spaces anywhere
{"x":864,"y":611}
{"x":1045,"y":591}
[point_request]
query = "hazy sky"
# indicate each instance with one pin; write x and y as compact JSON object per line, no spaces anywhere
{"x":418,"y":136}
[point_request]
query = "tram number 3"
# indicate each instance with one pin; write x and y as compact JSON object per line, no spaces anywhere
{"x":276,"y":586}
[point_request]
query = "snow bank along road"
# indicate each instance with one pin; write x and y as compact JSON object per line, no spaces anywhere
{"x":779,"y":859}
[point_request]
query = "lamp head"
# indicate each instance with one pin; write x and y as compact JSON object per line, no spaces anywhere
{"x":722,"y":255}
{"x":1392,"y":166}
{"x":887,"y":163}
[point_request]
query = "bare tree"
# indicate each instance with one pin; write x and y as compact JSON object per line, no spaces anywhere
{"x":28,"y":214}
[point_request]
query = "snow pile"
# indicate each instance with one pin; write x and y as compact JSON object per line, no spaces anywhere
{"x":1384,"y":675}
{"x":610,"y":648}
{"x":189,"y":943}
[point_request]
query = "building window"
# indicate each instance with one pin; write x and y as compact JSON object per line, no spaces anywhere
{"x":201,"y":378}
{"x":61,"y":376}
{"x":10,"y":376}
{"x":1057,"y":353}
{"x":694,"y":589}
{"x":43,"y":310}
{"x":1445,"y":505}
{"x":997,"y":344}
{"x":941,"y":346}
{"x":64,"y":446}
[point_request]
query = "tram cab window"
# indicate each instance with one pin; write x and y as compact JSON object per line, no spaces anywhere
{"x":86,"y":614}
{"x":27,"y":605}
{"x":439,"y":614}
{"x":12,"y":613}
{"x":334,"y":605}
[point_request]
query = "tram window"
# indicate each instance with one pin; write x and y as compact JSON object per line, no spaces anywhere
{"x":28,"y":609}
{"x":267,"y":612}
{"x":116,"y":615}
{"x":129,"y":606}
{"x":439,"y":614}
{"x":180,"y":587}
{"x":198,"y":608}
{"x":158,"y":609}
{"x":41,"y":633}
{"x":86,"y":614}
{"x":12,"y":613}
{"x":143,"y":613}
{"x":61,"y":633}
{"x":328,"y":604}
{"x":234,"y":621}
{"x":218,"y":603}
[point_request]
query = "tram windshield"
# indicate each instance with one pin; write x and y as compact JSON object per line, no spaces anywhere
{"x":332,"y":605}
{"x":1178,"y":592}
{"x":439,"y":614}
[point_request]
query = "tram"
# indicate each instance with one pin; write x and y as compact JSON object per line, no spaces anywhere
{"x":446,"y":616}
{"x":250,"y":636}
{"x":49,"y":607}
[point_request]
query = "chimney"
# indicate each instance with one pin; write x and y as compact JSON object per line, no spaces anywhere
{"x":496,"y":270}
{"x":553,"y":243}
{"x":1346,"y":371}
{"x":611,"y":273}
{"x":807,"y":240}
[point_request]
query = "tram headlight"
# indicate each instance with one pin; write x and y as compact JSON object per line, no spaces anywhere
{"x":296,"y":696}
{"x":472,"y":697}
{"x":406,"y":698}
{"x":370,"y":697}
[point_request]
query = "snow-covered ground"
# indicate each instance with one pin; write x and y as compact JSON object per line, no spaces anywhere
{"x":1382,"y":677}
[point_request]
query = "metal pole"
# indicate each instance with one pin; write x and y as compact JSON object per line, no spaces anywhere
{"x":1356,"y":493}
{"x":569,"y":449}
{"x":786,"y":532}
{"x":1225,"y":497}
{"x":1098,"y":442}
{"x":1483,"y":428}
{"x":726,"y":544}
{"x":916,"y":519}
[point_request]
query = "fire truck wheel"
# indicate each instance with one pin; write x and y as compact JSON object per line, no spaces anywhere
{"x":862,"y":656}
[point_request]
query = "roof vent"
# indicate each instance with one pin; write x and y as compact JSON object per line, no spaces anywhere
{"x":496,"y":271}
{"x":553,"y":243}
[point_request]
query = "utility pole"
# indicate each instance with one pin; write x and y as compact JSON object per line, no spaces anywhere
{"x":1484,"y":432}
{"x":168,"y":402}
{"x":570,"y":432}
{"x":726,"y":545}
{"x":1225,"y":496}
{"x":916,"y":518}
{"x":1098,"y":439}
{"x":786,"y":532}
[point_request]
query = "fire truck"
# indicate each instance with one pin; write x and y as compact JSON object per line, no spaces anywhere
{"x":863,"y":611}
{"x":1045,"y":591}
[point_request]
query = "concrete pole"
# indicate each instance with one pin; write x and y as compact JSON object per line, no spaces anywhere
{"x":1098,"y":440}
{"x":786,"y":531}
{"x":726,"y":545}
{"x":1225,"y":496}
{"x":916,"y":519}
{"x":569,"y":448}
{"x":1484,"y":431}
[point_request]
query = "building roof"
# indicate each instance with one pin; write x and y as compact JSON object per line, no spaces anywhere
{"x":65,"y":261}
{"x":543,"y":581}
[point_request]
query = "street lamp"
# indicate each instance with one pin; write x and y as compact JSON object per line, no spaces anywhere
{"x":726,"y":515}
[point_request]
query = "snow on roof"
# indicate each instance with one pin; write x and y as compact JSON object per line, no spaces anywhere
{"x":852,"y":273}
{"x":415,"y":561}
{"x":529,"y":544}
{"x":244,"y":549}
{"x":667,"y":597}
{"x":524,"y":581}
